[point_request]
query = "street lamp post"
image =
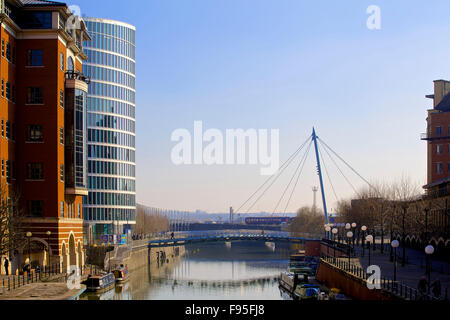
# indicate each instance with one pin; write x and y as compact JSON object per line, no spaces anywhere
{"x":429,"y":250}
{"x":395,"y":244}
{"x":349,"y":237}
{"x":369,"y":240}
{"x":328,"y":229}
{"x":29,"y":235}
{"x":354,"y":233}
{"x":334,"y":231}
{"x":363,"y":239}
{"x":48,"y":246}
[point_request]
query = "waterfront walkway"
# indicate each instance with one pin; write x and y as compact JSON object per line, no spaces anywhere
{"x":43,"y":291}
{"x":411,"y":273}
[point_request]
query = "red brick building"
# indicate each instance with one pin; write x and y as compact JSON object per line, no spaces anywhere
{"x":43,"y":123}
{"x":438,"y":140}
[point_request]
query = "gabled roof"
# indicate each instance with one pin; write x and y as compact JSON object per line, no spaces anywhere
{"x":39,"y":3}
{"x":437,"y":183}
{"x":444,"y":105}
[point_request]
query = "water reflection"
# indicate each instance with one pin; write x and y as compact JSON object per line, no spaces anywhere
{"x":246,"y":270}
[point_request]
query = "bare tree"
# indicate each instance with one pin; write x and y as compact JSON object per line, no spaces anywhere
{"x":148,"y":221}
{"x":11,"y":222}
{"x":308,"y":220}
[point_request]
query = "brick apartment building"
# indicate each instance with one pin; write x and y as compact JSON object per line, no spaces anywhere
{"x":438,"y":140}
{"x":43,"y":124}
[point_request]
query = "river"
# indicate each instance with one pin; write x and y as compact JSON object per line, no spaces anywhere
{"x":244,"y":271}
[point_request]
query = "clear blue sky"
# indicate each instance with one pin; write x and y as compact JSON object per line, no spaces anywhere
{"x":282,"y":64}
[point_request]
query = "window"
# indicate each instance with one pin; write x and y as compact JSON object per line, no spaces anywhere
{"x":79,"y":211}
{"x":62,"y":209}
{"x":61,"y":99}
{"x":61,"y":135}
{"x":8,"y":130}
{"x":3,"y":88}
{"x":36,"y":20}
{"x":70,"y":66}
{"x":3,"y":167}
{"x":8,"y":171}
{"x":34,"y":95}
{"x":3,"y":128}
{"x":35,"y":58}
{"x":34,"y":133}
{"x":3,"y":47}
{"x":35,"y":208}
{"x":8,"y":91}
{"x":35,"y":171}
{"x":61,"y":61}
{"x":439,"y":131}
{"x":439,"y":168}
{"x":8,"y":51}
{"x":61,"y":172}
{"x":439,"y":149}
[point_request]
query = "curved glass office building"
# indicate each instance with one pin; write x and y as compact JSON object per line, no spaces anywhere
{"x":110,"y":207}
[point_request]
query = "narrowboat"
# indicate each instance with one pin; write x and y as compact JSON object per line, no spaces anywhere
{"x":121,"y":274}
{"x":307,"y":292}
{"x":100,"y":283}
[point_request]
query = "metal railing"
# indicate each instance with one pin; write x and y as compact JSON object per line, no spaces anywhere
{"x":41,"y":274}
{"x":396,"y":288}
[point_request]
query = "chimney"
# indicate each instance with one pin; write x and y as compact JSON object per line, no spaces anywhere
{"x":441,"y":89}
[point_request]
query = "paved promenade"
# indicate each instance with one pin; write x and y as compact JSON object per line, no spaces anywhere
{"x":411,"y":273}
{"x":43,"y":291}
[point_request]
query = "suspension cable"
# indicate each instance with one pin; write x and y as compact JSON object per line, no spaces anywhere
{"x":328,"y":175}
{"x":296,"y":182}
{"x":280,"y":171}
{"x":351,"y":168}
{"x":292,"y":178}
{"x":342,"y":173}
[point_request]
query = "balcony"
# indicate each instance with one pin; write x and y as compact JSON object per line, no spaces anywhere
{"x":76,"y":75}
{"x":430,"y":136}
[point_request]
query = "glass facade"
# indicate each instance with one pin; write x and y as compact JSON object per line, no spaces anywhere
{"x":111,"y":164}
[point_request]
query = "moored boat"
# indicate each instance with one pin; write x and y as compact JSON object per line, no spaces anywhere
{"x":307,"y":291}
{"x":121,"y":274}
{"x":100,"y":283}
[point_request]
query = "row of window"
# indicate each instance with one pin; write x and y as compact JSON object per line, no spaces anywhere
{"x":109,"y":214}
{"x":8,"y":130}
{"x":113,"y":153}
{"x":111,"y":199}
{"x":35,"y":133}
{"x":35,"y":209}
{"x":440,"y":168}
{"x":8,"y":52}
{"x":110,"y":60}
{"x":112,"y":91}
{"x":35,"y":171}
{"x":111,"y":137}
{"x":113,"y":30}
{"x":111,"y":122}
{"x":9,"y":170}
{"x":111,"y":106}
{"x":8,"y":91}
{"x":112,"y":168}
{"x":107,"y":43}
{"x":110,"y":75}
{"x":440,"y":149}
{"x":113,"y":184}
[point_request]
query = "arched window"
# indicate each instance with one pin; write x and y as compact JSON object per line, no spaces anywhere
{"x":70,"y":66}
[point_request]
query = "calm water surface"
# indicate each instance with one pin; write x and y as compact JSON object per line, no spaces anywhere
{"x":247,"y":270}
